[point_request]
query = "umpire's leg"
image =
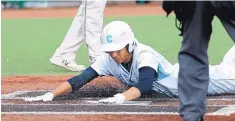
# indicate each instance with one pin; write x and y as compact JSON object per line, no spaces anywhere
{"x":225,"y":11}
{"x":229,"y":25}
{"x":193,"y":60}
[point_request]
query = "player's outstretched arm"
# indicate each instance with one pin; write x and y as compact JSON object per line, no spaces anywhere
{"x":70,"y":85}
{"x":62,"y":89}
{"x":146,"y":78}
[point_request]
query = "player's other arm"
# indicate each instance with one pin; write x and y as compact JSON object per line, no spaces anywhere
{"x":70,"y":85}
{"x":146,"y":78}
{"x":75,"y":82}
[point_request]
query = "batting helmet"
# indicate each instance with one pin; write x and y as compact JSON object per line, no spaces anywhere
{"x":116,"y":35}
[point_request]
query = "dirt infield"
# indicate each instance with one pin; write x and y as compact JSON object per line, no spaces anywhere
{"x":16,"y":109}
{"x":83,"y":103}
{"x":16,"y":83}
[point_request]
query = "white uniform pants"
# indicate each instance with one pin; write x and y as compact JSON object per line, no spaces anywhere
{"x":222,"y":77}
{"x":87,"y":25}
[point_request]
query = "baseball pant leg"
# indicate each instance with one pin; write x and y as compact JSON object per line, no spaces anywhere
{"x":222,"y":76}
{"x":226,"y":69}
{"x":74,"y":37}
{"x":193,"y":61}
{"x":221,"y":86}
{"x":230,"y":56}
{"x":94,"y":13}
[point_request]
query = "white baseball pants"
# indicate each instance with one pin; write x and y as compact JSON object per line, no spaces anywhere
{"x":86,"y":26}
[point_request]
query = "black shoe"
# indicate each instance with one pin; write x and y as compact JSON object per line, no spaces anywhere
{"x":201,"y":119}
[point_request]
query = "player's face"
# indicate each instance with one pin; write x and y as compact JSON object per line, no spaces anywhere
{"x":121,"y":55}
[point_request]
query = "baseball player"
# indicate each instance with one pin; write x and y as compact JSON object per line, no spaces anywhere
{"x":86,"y":26}
{"x":139,"y":67}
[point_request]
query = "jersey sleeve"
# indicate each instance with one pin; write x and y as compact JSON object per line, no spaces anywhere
{"x":101,"y":65}
{"x":147,"y":59}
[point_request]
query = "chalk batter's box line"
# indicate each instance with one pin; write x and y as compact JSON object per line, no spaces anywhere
{"x":15,"y":94}
{"x":85,"y":104}
{"x":112,"y":113}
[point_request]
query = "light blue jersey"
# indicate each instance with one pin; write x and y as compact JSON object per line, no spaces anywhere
{"x":167,"y":81}
{"x":143,"y":55}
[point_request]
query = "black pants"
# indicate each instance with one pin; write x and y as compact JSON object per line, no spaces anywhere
{"x":193,"y":58}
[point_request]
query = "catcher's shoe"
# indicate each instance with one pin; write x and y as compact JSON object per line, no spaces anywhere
{"x":68,"y":64}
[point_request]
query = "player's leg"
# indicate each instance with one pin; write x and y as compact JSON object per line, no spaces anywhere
{"x":221,"y":86}
{"x":65,"y":54}
{"x":226,"y":69}
{"x":93,"y":26}
{"x":193,"y":60}
{"x":230,"y":56}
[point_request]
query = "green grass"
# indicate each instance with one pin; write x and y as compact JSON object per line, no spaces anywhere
{"x":28,"y":44}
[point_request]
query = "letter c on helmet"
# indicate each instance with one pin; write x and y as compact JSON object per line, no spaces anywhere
{"x":109,"y":39}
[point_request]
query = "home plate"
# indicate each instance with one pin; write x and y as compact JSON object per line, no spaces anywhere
{"x":140,"y":103}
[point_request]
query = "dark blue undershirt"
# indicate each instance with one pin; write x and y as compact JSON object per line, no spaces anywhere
{"x":86,"y":76}
{"x":146,"y":78}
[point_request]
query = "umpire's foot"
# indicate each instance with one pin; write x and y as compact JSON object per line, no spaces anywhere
{"x":68,"y":64}
{"x":201,"y":119}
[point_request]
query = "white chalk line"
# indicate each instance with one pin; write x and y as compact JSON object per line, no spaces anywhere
{"x":221,"y":99}
{"x":14,"y":95}
{"x":159,"y":99}
{"x":112,"y":113}
{"x":95,"y":113}
{"x":226,"y":110}
{"x":85,"y":104}
{"x":144,"y":103}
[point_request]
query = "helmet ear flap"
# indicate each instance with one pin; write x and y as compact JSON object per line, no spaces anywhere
{"x":131,"y":46}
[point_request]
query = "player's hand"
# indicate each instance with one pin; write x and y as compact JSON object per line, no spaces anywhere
{"x":118,"y":98}
{"x":46,"y":97}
